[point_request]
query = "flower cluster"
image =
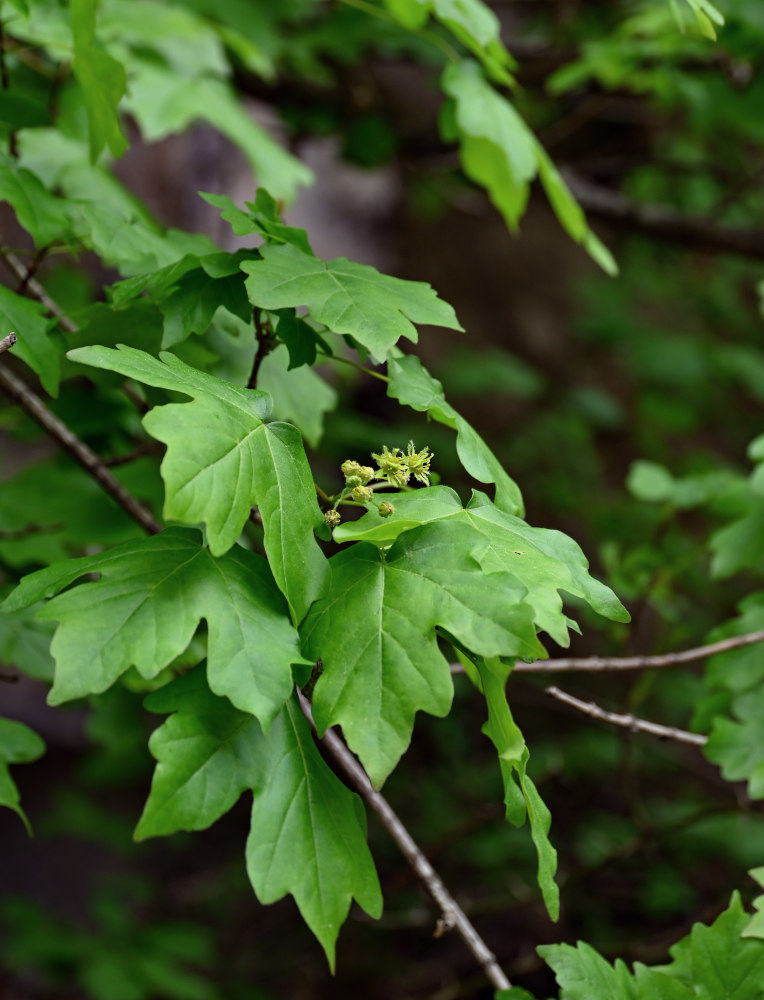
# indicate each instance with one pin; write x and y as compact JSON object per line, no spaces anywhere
{"x":397,"y":467}
{"x":394,"y":467}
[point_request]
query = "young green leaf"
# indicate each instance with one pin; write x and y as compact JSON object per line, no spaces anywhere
{"x":375,"y":633}
{"x":755,"y":927}
{"x":543,"y":560}
{"x":716,"y":963}
{"x":146,"y":607}
{"x":411,"y":384}
{"x":263,"y":218}
{"x":102,"y":81}
{"x":18,"y":745}
{"x":38,"y":345}
{"x":356,"y":299}
{"x":164,"y":102}
{"x":301,"y":397}
{"x":736,"y":744}
{"x":500,"y":152}
{"x":37,"y":210}
{"x":308,"y":834}
{"x":207,"y":754}
{"x":222,"y":459}
{"x":505,"y":735}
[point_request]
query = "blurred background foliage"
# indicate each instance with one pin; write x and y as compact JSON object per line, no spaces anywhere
{"x":624,"y":407}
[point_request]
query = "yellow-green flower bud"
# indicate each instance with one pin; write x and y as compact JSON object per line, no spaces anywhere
{"x":366,"y":473}
{"x":363,"y":494}
{"x":352,"y":481}
{"x":386,"y":509}
{"x":332,"y":518}
{"x":350,"y":468}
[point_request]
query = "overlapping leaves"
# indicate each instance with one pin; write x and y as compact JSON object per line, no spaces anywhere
{"x":222,"y":458}
{"x":308,"y":831}
{"x":543,"y":560}
{"x":375,"y":632}
{"x":146,"y":607}
{"x":376,"y":310}
{"x":500,"y":152}
{"x":714,"y":963}
{"x":411,"y":384}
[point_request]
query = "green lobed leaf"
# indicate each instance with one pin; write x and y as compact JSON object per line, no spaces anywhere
{"x":37,"y":345}
{"x":411,"y":384}
{"x":37,"y":210}
{"x":543,"y":560}
{"x":354,"y":299}
{"x":146,"y":607}
{"x":308,"y":834}
{"x":584,"y":974}
{"x":499,"y":152}
{"x":736,"y":744}
{"x":472,"y":22}
{"x":513,"y":753}
{"x":374,"y":630}
{"x":25,"y":644}
{"x":18,"y":745}
{"x":102,"y":81}
{"x":301,"y":340}
{"x":222,"y":459}
{"x":263,"y":219}
{"x":207,"y":753}
{"x":712,"y":963}
{"x":301,"y":396}
{"x":755,"y":927}
{"x":716,"y":962}
{"x":164,"y":103}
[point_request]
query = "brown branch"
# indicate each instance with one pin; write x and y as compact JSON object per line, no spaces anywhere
{"x":601,"y":663}
{"x":32,"y":285}
{"x":452,"y":914}
{"x":630,"y":722}
{"x":662,"y":222}
{"x":79,"y":451}
{"x":8,"y":342}
{"x":266,"y":342}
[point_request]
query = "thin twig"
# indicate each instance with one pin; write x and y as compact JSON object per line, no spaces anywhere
{"x":8,"y":342}
{"x":630,"y":722}
{"x":33,"y":286}
{"x":452,"y":913}
{"x":266,"y":342}
{"x":602,"y":663}
{"x":79,"y":451}
{"x":31,"y":271}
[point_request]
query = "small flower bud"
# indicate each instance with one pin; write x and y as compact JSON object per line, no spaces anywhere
{"x":386,"y":509}
{"x":352,"y":481}
{"x":363,"y":494}
{"x":350,"y":468}
{"x":332,"y":518}
{"x":366,"y":473}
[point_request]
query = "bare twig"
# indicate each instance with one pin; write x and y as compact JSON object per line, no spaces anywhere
{"x":630,"y":722}
{"x":452,"y":914}
{"x":79,"y":451}
{"x":662,"y":222}
{"x":8,"y":342}
{"x":602,"y":663}
{"x":33,"y":286}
